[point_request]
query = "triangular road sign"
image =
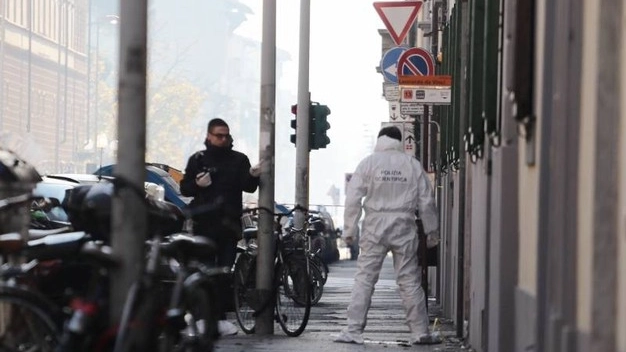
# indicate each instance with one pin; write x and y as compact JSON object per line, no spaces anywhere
{"x":398,"y":17}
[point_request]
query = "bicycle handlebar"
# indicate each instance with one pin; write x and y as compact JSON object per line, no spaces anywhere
{"x":256,"y":209}
{"x":7,"y":202}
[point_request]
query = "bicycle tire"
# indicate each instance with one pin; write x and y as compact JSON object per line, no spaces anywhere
{"x":139,"y":331}
{"x":244,"y":287}
{"x":323,"y":268}
{"x":200,"y":328}
{"x":293,"y":296}
{"x":25,"y":323}
{"x":317,"y":283}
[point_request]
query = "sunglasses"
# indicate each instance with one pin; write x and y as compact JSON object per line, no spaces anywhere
{"x":220,"y":135}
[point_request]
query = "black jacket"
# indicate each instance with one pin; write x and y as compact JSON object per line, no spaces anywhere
{"x":219,"y":204}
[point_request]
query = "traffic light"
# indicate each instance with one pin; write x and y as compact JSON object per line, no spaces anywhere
{"x":319,"y":126}
{"x":294,"y":111}
{"x":294,"y":125}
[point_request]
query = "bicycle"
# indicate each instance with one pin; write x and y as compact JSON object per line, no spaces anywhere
{"x":30,"y":320}
{"x":188,"y":322}
{"x":185,"y":324}
{"x":318,"y":269}
{"x":291,"y":288}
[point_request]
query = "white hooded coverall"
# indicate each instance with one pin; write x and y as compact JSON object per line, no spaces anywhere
{"x":394,"y":185}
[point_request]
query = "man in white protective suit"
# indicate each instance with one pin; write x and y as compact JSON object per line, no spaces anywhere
{"x":393,"y":185}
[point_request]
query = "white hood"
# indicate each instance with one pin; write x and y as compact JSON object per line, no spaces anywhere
{"x":387,"y":143}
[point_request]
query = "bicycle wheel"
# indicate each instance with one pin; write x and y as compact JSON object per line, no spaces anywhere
{"x":323,"y":268}
{"x":244,"y":286}
{"x":293,"y":296}
{"x":139,"y":330}
{"x":193,"y":327}
{"x":317,"y":283}
{"x":25,"y":324}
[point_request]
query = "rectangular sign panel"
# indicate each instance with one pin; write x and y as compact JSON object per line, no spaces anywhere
{"x":412,"y":109}
{"x":434,"y":96}
{"x":391,"y":91}
{"x":439,"y":81}
{"x":395,"y":114}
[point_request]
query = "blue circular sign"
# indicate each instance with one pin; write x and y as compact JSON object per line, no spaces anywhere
{"x":389,"y":63}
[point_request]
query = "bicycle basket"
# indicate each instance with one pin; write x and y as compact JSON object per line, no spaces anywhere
{"x":247,"y":220}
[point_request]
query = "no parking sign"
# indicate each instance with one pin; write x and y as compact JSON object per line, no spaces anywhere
{"x":416,"y":62}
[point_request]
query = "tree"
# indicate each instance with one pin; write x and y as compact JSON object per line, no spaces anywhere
{"x":174,"y":124}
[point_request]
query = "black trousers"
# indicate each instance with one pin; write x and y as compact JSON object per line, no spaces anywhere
{"x":226,"y":242}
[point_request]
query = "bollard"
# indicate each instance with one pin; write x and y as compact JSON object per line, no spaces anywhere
{"x":17,"y":181}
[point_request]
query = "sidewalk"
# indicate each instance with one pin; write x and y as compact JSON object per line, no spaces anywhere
{"x":385,"y":330}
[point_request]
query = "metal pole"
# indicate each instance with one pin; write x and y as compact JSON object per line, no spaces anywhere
{"x":57,"y":123}
{"x":265,"y":260}
{"x":425,"y":157}
{"x":66,"y":72}
{"x":460,"y":298}
{"x":304,"y":100}
{"x":89,"y":58}
{"x":434,"y":154}
{"x":30,"y":65}
{"x":2,"y":85}
{"x":96,"y":84}
{"x":435,"y":140}
{"x":434,"y":29}
{"x":129,"y":221}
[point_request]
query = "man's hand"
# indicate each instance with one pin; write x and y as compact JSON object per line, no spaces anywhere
{"x":349,"y":240}
{"x":255,"y":171}
{"x":203,"y":179}
{"x":432,"y":239}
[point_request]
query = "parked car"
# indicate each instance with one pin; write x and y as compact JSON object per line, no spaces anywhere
{"x":176,"y":174}
{"x":84,"y":179}
{"x":330,"y":252}
{"x":157,"y":175}
{"x":46,"y":210}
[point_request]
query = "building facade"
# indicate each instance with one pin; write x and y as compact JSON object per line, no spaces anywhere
{"x":44,"y":81}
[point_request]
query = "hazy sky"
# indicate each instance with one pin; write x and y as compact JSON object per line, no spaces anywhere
{"x":345,"y":49}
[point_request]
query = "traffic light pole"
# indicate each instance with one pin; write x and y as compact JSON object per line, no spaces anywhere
{"x":304,"y":99}
{"x":264,"y":323}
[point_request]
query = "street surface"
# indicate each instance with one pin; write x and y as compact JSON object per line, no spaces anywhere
{"x":386,"y":330}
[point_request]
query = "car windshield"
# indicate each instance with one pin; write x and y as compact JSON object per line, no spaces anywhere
{"x":57,"y":191}
{"x":166,"y":177}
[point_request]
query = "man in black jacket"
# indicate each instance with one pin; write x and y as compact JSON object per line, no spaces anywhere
{"x":215,"y":178}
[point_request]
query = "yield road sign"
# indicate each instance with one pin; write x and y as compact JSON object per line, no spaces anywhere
{"x":389,"y":63}
{"x":416,"y":62}
{"x":398,"y":16}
